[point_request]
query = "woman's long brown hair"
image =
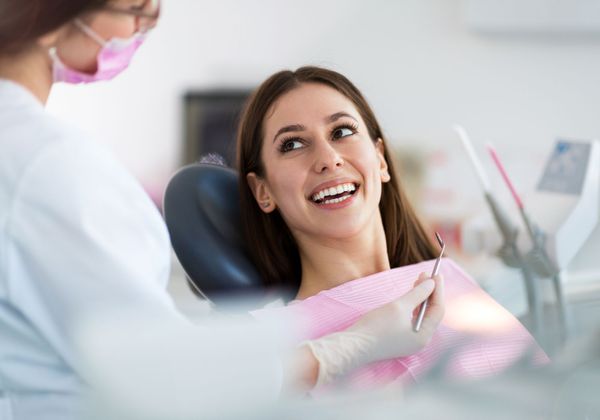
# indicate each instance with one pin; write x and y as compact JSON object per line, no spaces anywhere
{"x":270,"y":242}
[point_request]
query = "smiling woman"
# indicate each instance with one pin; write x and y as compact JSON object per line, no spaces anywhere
{"x":324,"y":215}
{"x":331,"y":208}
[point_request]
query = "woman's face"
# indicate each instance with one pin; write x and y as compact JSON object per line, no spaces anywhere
{"x":79,"y":51}
{"x":322,"y":170}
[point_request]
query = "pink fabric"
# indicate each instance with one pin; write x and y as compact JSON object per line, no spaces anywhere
{"x":477,"y":337}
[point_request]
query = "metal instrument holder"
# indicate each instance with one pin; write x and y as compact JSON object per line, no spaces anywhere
{"x":534,"y":265}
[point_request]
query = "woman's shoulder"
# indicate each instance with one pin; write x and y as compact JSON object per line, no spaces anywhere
{"x":33,"y":135}
{"x":25,"y":125}
{"x":45,"y":161}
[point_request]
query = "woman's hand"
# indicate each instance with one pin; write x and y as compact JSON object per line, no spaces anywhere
{"x":390,"y":327}
{"x":383,"y":333}
{"x":435,"y":308}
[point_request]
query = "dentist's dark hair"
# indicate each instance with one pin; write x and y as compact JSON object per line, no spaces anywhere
{"x":24,"y":21}
{"x":270,"y":243}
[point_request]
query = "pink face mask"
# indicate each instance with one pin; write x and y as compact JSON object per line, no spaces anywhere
{"x":113,"y":58}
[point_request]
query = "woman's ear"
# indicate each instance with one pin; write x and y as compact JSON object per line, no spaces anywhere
{"x":260,"y":190}
{"x":383,"y":166}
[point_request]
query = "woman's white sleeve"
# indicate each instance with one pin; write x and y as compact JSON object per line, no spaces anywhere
{"x":83,"y":239}
{"x":88,"y":256}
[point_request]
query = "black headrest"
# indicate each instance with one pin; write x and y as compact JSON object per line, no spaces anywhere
{"x":201,"y":209}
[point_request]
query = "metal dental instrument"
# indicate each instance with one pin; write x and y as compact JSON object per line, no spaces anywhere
{"x":436,"y":269}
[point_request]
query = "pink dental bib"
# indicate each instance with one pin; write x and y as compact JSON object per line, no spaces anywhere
{"x":477,"y":337}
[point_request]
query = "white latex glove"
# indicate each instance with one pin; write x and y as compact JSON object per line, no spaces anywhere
{"x":383,"y":333}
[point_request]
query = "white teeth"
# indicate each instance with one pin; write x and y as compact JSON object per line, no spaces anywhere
{"x":336,"y":200}
{"x":338,"y":189}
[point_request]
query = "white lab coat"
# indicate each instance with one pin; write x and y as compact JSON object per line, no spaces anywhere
{"x":78,"y":237}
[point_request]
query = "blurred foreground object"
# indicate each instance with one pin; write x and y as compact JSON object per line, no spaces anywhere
{"x":155,"y":381}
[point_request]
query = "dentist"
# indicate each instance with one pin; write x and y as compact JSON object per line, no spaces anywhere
{"x":80,"y":240}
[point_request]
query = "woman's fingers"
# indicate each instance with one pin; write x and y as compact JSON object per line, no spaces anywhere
{"x":436,"y":306}
{"x":422,"y":277}
{"x":437,"y":297}
{"x":421,"y":291}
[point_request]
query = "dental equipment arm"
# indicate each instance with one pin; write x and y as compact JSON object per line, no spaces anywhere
{"x":508,"y":251}
{"x":566,"y":204}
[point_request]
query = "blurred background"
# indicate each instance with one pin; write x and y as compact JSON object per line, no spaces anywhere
{"x":519,"y":74}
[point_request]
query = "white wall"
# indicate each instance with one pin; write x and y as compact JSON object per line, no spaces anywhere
{"x":415,"y":60}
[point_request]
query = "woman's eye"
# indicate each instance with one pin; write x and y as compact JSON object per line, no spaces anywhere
{"x":289,"y":145}
{"x":341,"y":132}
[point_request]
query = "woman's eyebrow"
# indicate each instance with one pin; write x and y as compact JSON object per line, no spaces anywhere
{"x":338,"y":115}
{"x":288,"y":128}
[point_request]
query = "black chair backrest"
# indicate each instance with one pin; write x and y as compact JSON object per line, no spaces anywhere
{"x":201,"y":209}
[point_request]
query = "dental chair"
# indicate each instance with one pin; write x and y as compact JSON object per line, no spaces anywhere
{"x":201,"y":210}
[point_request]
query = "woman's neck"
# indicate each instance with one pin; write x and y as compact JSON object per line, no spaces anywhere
{"x":30,"y":69}
{"x":327,"y":263}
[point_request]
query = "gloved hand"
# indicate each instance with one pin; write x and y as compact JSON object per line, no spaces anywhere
{"x":383,"y":333}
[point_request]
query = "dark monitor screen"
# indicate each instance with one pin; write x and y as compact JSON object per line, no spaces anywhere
{"x":211,"y":120}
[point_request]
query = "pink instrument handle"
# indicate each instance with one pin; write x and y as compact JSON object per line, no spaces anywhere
{"x":504,"y":174}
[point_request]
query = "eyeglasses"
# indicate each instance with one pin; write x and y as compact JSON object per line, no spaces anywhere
{"x":146,"y":15}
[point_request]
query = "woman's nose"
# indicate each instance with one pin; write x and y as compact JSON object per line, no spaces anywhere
{"x":327,"y":157}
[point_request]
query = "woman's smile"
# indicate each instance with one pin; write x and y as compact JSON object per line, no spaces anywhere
{"x":334,"y":195}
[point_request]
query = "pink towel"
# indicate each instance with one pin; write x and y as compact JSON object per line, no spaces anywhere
{"x":477,"y":337}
